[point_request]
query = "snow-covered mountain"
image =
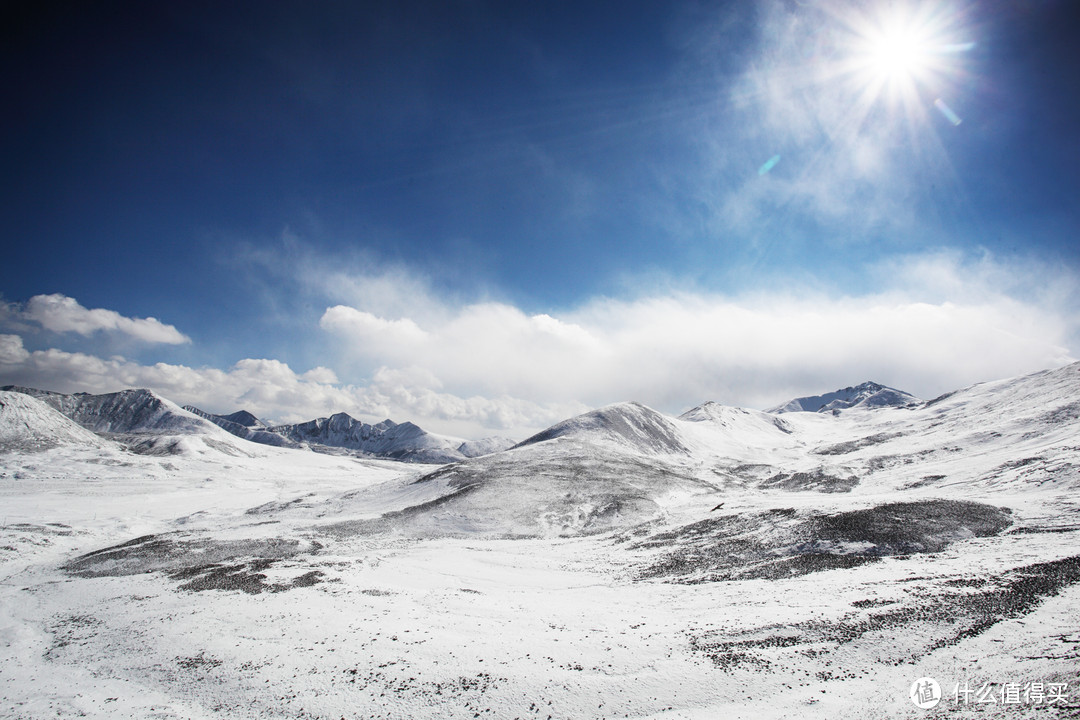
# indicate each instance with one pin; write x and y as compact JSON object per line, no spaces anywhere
{"x":140,"y":420}
{"x":244,"y":418}
{"x":387,"y":439}
{"x":629,"y":424}
{"x":127,"y":411}
{"x":485,"y":446}
{"x":608,"y":469}
{"x":734,"y":417}
{"x":867,"y":394}
{"x":398,"y":441}
{"x":626,"y":464}
{"x":148,"y":423}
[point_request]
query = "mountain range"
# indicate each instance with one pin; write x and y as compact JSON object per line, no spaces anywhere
{"x":149,"y":423}
{"x":619,"y":465}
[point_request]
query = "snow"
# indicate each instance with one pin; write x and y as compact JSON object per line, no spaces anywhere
{"x":624,"y":564}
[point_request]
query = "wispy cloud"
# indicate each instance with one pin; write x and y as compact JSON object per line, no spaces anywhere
{"x":61,"y":314}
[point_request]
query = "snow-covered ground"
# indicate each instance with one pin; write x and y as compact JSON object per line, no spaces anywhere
{"x":725,"y":564}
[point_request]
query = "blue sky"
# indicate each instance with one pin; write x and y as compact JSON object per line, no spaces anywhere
{"x":486,"y":216}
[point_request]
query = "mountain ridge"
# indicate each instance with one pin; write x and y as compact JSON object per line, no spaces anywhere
{"x":404,"y":441}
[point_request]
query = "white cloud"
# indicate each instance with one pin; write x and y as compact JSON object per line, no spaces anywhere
{"x":937,"y":322}
{"x":62,"y":314}
{"x":376,"y":336}
{"x":12,"y":350}
{"x":273,"y":391}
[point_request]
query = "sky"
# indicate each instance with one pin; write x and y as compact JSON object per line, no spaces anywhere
{"x":485,"y":217}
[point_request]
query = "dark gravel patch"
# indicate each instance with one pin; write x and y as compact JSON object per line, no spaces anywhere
{"x":782,"y":543}
{"x":244,"y":577}
{"x":938,"y":618}
{"x":203,"y":564}
{"x":816,"y":480}
{"x":851,"y":446}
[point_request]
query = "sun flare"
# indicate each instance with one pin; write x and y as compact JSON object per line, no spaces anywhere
{"x":895,"y":51}
{"x":904,"y":54}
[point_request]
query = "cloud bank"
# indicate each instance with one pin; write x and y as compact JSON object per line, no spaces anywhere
{"x":275,"y":392}
{"x":936,"y":322}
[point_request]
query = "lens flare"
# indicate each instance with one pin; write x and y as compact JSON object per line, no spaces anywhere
{"x":947,"y":112}
{"x":768,"y":165}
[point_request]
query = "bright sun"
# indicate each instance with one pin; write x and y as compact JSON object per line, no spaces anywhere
{"x":898,"y":54}
{"x":902,"y":52}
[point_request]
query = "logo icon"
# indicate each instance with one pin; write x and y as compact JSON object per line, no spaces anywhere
{"x":925,"y":693}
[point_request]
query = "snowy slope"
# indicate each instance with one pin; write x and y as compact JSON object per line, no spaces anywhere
{"x":485,"y":446}
{"x":127,"y":411}
{"x":28,"y":424}
{"x":630,"y":425}
{"x":626,"y":464}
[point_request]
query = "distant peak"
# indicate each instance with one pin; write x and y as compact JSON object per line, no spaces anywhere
{"x":627,"y":423}
{"x":869,"y":394}
{"x":243,"y":417}
{"x":342,"y":416}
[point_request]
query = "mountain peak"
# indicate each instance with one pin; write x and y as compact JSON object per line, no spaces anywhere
{"x":628,"y":423}
{"x":243,"y":417}
{"x":868,"y":394}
